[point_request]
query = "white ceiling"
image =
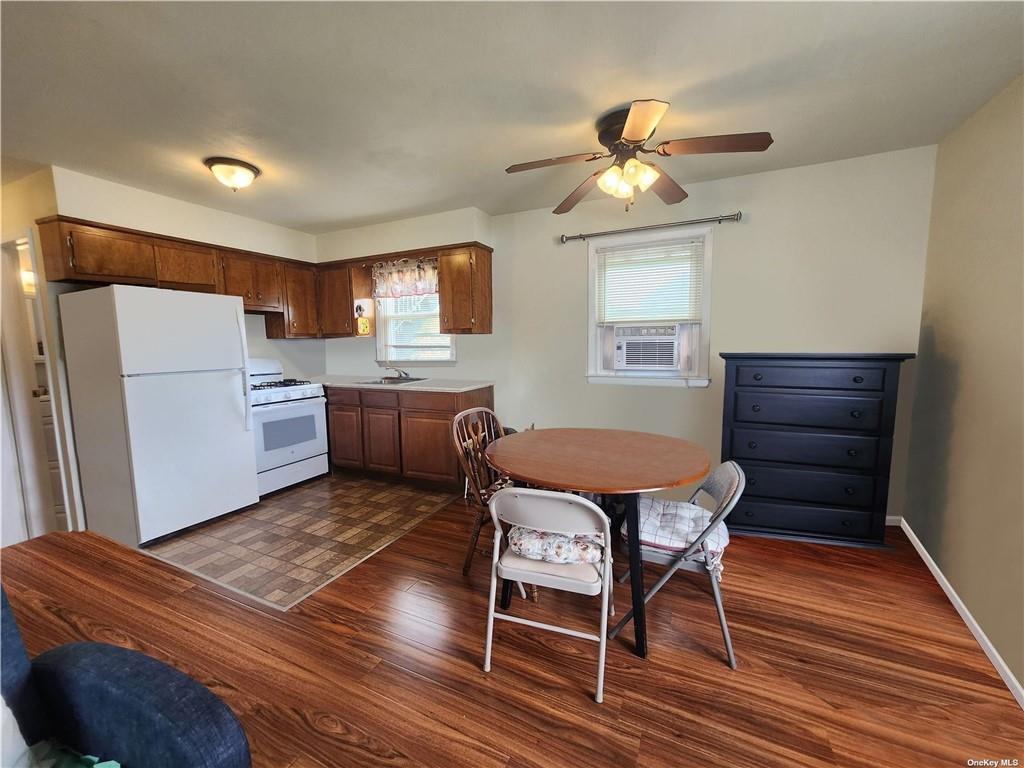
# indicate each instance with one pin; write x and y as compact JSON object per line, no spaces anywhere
{"x":365,"y":112}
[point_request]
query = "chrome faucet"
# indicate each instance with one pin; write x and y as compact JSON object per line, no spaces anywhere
{"x":401,"y":374}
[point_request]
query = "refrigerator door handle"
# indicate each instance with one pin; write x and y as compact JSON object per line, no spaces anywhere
{"x":246,"y":389}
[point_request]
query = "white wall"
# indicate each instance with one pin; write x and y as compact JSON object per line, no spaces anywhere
{"x":87,"y":197}
{"x":459,"y":226}
{"x":964,"y":494}
{"x":828,"y":258}
{"x":300,"y":358}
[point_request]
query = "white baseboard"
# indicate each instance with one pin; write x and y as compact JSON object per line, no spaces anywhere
{"x":893,"y":520}
{"x":1016,"y":689}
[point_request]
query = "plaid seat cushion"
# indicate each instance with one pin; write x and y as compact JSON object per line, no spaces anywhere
{"x":675,"y":525}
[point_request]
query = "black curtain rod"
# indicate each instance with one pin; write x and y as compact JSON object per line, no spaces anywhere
{"x":707,"y":220}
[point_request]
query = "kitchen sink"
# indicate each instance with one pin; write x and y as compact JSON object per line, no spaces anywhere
{"x":392,"y":380}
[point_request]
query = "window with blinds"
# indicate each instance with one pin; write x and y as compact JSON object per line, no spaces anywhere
{"x":409,"y":330}
{"x":648,"y":306}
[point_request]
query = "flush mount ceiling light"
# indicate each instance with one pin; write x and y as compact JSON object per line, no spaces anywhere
{"x":625,"y":133}
{"x":233,"y":173}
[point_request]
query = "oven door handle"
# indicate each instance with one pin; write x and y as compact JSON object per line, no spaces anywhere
{"x":306,"y":401}
{"x":246,"y":386}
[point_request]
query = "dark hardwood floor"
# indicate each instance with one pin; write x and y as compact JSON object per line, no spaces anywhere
{"x":848,"y":657}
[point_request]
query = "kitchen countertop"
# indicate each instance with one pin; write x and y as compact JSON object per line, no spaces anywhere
{"x":427,"y":385}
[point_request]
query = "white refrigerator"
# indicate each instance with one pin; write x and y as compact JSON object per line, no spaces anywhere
{"x":160,"y":405}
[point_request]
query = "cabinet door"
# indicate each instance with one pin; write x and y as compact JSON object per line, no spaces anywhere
{"x":266,"y":284}
{"x":300,"y":313}
{"x":346,"y":435}
{"x":182,"y":266}
{"x":111,"y":257}
{"x":455,"y":289}
{"x":427,"y":450}
{"x":238,"y":278}
{"x":381,"y":446}
{"x":335,"y":300}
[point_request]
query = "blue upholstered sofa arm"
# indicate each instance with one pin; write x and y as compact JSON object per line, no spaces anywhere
{"x":118,"y":704}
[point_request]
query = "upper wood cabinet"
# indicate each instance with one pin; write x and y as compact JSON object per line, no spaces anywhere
{"x":337,"y":312}
{"x":257,"y":280}
{"x":189,"y":267}
{"x":299,"y":320}
{"x":73,"y":251}
{"x":464,"y":288}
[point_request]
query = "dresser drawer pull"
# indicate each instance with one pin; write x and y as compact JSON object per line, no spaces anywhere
{"x":858,"y":379}
{"x":856,"y":414}
{"x":851,"y":452}
{"x":755,"y":407}
{"x":849,"y":490}
{"x":751,"y":444}
{"x":751,"y":481}
{"x":845,"y":523}
{"x":750,"y":513}
{"x":758,"y":377}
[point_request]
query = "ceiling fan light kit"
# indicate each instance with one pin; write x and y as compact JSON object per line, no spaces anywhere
{"x":624,"y":133}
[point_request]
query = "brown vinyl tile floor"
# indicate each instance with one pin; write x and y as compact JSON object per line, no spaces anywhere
{"x":298,"y":540}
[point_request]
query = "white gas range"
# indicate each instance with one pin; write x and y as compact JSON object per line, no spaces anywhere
{"x":289,"y":425}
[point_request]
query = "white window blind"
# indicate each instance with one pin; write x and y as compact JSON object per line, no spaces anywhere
{"x":660,"y":281}
{"x":409,"y":330}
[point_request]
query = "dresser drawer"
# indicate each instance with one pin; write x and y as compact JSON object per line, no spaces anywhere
{"x":809,"y":377}
{"x":808,"y":485}
{"x":805,"y":519}
{"x":833,"y":412}
{"x":805,"y":448}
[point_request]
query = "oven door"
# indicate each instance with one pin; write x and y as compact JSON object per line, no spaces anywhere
{"x":289,"y":432}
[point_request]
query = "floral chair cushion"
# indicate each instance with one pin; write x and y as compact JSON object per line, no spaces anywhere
{"x":555,"y":547}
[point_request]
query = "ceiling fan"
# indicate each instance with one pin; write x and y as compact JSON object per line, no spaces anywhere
{"x":624,"y":133}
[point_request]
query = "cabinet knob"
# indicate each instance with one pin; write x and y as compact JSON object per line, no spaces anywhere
{"x":758,"y":377}
{"x":755,"y":408}
{"x":751,"y":481}
{"x":295,"y":324}
{"x":852,"y":452}
{"x":856,"y":414}
{"x":749,"y":513}
{"x":248,"y":294}
{"x":858,"y":379}
{"x":845,"y":523}
{"x":259,"y":295}
{"x":752,"y":444}
{"x":849,"y":490}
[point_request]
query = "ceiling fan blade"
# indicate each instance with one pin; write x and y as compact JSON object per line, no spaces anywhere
{"x":642,"y":119}
{"x":579,"y":193}
{"x":730,"y":142}
{"x":666,"y":188}
{"x":583,"y":156}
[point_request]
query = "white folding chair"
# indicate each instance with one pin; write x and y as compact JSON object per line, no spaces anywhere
{"x":556,"y":513}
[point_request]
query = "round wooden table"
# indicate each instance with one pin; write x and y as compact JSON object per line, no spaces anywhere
{"x":605,"y":461}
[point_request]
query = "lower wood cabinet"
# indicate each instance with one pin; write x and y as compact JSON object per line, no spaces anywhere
{"x":407,"y":433}
{"x":382,"y":451}
{"x":427,"y":446}
{"x":346,"y":435}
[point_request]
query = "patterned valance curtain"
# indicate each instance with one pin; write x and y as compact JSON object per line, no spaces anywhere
{"x":405,"y":277}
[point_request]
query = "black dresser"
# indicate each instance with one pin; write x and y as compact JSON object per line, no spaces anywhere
{"x":813,"y":434}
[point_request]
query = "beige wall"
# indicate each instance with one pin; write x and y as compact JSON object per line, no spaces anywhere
{"x":25,"y":200}
{"x":87,"y":197}
{"x":964,"y":495}
{"x":827,"y":258}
